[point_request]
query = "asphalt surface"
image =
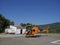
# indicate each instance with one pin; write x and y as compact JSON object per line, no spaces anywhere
{"x":22,"y":40}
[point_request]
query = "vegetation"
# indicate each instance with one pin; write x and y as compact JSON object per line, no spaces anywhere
{"x":25,"y":24}
{"x":4,"y":23}
{"x":53,"y":28}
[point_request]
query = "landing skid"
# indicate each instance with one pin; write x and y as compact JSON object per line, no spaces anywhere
{"x":32,"y":36}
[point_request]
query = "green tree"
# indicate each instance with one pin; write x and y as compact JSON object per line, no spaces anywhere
{"x":4,"y":23}
{"x":23,"y":24}
{"x":28,"y":24}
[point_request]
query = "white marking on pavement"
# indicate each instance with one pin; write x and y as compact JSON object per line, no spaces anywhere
{"x":56,"y":42}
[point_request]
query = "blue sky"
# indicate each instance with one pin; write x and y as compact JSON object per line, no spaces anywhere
{"x":31,"y":11}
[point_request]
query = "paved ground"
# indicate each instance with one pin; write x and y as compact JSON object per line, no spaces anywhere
{"x":21,"y":40}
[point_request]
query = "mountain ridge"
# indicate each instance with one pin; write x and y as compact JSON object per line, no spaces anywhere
{"x":53,"y":27}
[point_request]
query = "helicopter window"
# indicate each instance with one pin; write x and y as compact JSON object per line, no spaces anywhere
{"x":28,"y":28}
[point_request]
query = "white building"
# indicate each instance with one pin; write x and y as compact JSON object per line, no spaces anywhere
{"x":15,"y":29}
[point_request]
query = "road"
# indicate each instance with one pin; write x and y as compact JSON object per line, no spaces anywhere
{"x":22,"y":40}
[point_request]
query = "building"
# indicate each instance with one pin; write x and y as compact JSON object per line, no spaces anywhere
{"x":20,"y":30}
{"x":15,"y":30}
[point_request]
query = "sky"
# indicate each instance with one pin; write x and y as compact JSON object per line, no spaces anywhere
{"x":31,"y":11}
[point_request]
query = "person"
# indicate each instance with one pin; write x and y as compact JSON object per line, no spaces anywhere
{"x":21,"y":31}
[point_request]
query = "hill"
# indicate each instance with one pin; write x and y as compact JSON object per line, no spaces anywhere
{"x":53,"y":27}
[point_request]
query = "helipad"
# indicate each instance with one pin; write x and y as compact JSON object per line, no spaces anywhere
{"x":49,"y":39}
{"x":56,"y":42}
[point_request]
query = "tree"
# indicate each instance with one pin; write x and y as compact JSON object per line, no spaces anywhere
{"x":4,"y":23}
{"x":28,"y":24}
{"x":11,"y":23}
{"x":23,"y":24}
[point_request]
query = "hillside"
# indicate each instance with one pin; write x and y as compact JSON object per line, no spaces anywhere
{"x":53,"y":27}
